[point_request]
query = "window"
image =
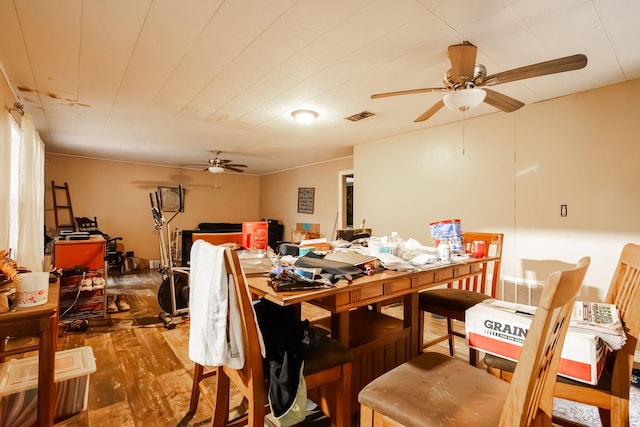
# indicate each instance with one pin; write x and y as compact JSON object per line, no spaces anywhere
{"x":14,"y":185}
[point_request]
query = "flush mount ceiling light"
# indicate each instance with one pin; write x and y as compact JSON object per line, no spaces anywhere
{"x":304,"y":117}
{"x":215,"y":169}
{"x":464,"y":99}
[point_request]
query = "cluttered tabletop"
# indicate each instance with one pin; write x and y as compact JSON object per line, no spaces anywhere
{"x":372,"y":268}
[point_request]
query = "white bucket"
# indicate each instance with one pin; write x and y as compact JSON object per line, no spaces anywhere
{"x":32,"y":289}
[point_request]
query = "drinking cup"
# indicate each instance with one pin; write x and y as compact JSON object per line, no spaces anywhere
{"x":478,"y":249}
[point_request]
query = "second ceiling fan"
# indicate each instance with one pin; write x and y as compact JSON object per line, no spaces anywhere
{"x":465,"y":78}
{"x":218,"y":165}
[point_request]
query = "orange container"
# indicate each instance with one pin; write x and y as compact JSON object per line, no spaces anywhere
{"x":255,"y":235}
{"x":89,"y":253}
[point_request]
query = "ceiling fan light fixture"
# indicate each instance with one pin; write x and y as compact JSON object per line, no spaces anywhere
{"x":216,"y":169}
{"x":464,"y":99}
{"x":304,"y":117}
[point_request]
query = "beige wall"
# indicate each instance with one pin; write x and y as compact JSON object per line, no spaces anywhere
{"x":118,"y":195}
{"x":511,"y":173}
{"x":279,"y":195}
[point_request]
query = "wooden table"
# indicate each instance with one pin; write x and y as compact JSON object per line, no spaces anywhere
{"x":379,"y":342}
{"x":41,"y":321}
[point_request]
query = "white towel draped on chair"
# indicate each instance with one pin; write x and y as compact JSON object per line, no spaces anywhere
{"x":209,"y":298}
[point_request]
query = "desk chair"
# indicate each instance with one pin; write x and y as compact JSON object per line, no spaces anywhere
{"x":453,"y":301}
{"x":437,"y":390}
{"x":611,"y":394}
{"x":328,"y":365}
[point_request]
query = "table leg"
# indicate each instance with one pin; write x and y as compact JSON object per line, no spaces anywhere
{"x":46,"y":370}
{"x":340,"y":327}
{"x":412,"y":321}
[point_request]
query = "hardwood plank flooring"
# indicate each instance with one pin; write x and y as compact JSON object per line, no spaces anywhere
{"x":144,"y":374}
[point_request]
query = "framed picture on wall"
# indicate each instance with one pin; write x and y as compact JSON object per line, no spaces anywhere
{"x":305,"y":200}
{"x":171,"y":199}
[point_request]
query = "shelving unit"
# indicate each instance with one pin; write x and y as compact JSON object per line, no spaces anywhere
{"x":81,"y":254}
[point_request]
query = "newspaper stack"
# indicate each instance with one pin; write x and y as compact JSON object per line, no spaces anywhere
{"x":600,"y":319}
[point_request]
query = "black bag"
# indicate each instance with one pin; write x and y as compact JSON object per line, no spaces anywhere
{"x":336,"y":269}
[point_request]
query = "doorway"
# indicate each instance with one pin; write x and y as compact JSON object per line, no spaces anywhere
{"x":345,"y":198}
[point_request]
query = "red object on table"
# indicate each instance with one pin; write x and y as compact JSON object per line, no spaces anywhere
{"x":478,"y":249}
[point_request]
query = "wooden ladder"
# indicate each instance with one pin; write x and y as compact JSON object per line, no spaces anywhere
{"x":62,"y":210}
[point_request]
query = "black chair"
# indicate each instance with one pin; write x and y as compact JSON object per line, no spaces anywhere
{"x":113,"y":256}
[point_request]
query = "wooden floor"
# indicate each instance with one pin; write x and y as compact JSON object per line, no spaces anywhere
{"x":144,"y":375}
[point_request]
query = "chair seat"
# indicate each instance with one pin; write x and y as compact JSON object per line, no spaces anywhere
{"x":449,"y":302}
{"x":502,"y":364}
{"x":434,"y":389}
{"x":327,"y":353}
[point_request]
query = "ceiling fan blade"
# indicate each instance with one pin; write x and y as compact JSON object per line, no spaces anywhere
{"x":430,"y":112}
{"x":231,"y":168}
{"x":501,"y":101}
{"x":237,"y":165}
{"x":463,"y":61}
{"x":409,"y":92}
{"x":568,"y":63}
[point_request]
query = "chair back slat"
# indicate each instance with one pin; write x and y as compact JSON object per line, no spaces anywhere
{"x":530,"y":397}
{"x":250,"y":379}
{"x":478,"y":281}
{"x":624,"y":291}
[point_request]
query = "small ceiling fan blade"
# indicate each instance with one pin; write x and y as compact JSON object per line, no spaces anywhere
{"x":193,"y":165}
{"x":568,"y":63}
{"x":430,"y":112}
{"x":236,"y":165}
{"x":409,"y":92}
{"x":501,"y":101}
{"x":231,"y":168}
{"x":463,"y":61}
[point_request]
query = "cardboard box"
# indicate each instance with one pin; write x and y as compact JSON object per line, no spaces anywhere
{"x":305,"y":231}
{"x":502,"y":331}
{"x":319,"y":244}
{"x":19,"y":386}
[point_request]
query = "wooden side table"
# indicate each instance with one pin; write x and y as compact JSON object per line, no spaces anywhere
{"x":41,"y":321}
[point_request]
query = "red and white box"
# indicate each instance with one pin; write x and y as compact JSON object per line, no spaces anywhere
{"x":499,"y":328}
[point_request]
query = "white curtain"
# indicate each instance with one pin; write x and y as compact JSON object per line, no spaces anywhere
{"x":31,"y":198}
{"x":5,"y":173}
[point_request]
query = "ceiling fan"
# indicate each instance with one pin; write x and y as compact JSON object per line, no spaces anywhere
{"x":218,"y":165}
{"x":465,"y":78}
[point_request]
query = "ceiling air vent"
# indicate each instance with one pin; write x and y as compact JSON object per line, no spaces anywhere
{"x":360,"y":116}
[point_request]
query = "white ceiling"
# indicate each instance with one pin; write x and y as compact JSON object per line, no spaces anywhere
{"x":164,"y":81}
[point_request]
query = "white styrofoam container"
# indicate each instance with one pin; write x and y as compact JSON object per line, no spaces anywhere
{"x":19,"y":386}
{"x":502,"y":333}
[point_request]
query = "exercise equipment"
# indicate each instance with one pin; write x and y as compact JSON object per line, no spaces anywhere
{"x":173,"y":294}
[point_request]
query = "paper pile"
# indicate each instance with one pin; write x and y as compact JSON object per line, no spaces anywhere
{"x":600,"y":319}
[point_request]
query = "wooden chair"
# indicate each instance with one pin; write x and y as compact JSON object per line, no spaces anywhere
{"x":329,"y":364}
{"x":611,"y":394}
{"x":437,"y":390}
{"x":452,"y":302}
